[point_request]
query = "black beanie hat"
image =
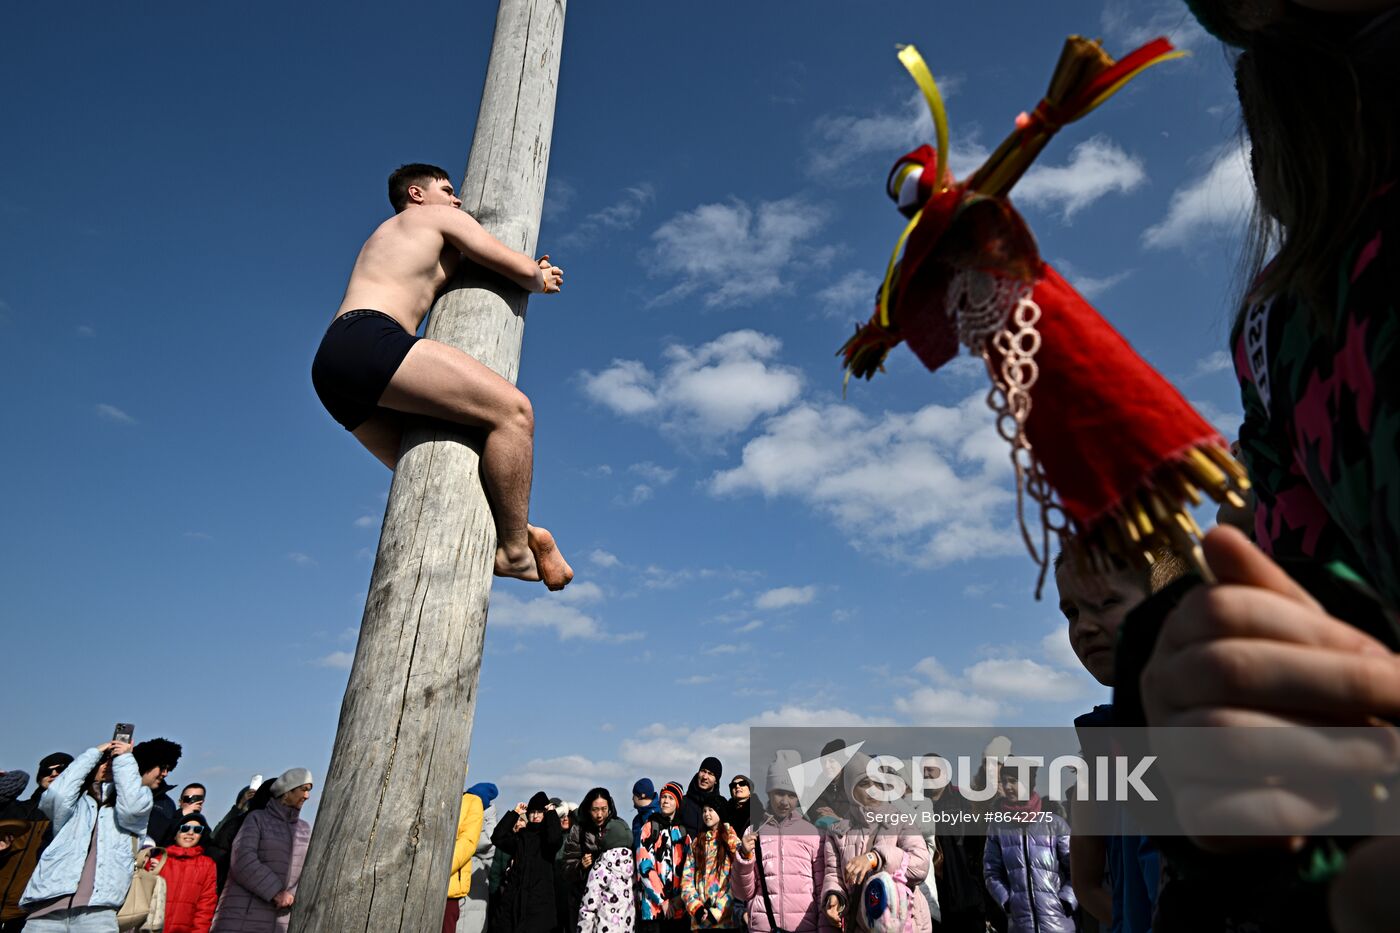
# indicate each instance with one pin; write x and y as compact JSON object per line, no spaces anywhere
{"x":195,"y":817}
{"x":57,"y":758}
{"x":538,"y":802}
{"x":835,"y":745}
{"x":712,"y":765}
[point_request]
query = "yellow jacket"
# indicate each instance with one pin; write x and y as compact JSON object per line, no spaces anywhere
{"x":468,"y":833}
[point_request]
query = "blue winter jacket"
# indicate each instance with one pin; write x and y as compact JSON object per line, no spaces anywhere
{"x":640,"y":820}
{"x":73,"y":810}
{"x":1028,"y":875}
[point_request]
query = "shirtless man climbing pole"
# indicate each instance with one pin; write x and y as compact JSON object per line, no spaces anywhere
{"x":371,"y":369}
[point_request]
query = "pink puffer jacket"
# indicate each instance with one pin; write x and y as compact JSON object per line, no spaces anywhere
{"x":903,"y":853}
{"x":794,"y":864}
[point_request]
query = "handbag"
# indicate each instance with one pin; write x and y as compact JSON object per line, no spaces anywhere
{"x":144,"y":907}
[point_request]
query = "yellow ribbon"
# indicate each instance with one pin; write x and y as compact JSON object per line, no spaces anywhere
{"x":913,"y":62}
{"x":1118,"y":85}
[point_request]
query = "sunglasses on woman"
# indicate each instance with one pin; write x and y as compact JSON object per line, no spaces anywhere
{"x":191,"y":828}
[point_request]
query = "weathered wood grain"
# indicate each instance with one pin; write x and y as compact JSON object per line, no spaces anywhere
{"x":381,"y":851}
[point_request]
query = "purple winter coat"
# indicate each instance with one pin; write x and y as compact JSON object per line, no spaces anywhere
{"x":267,"y":857}
{"x":794,"y":864}
{"x":1028,"y":875}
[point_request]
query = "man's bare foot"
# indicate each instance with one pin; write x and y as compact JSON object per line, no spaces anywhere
{"x":551,"y":565}
{"x":517,"y":562}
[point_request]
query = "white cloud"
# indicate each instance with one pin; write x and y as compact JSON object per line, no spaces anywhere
{"x":963,"y":367}
{"x":86,"y":331}
{"x":733,"y":253}
{"x":627,"y":387}
{"x":1129,"y":26}
{"x":656,"y":475}
{"x":559,"y":612}
{"x":843,"y":140}
{"x":366,"y":521}
{"x":929,"y":487}
{"x":1217,"y":362}
{"x":852,"y":295}
{"x":1226,"y":421}
{"x":751,"y":626}
{"x":786,"y":596}
{"x":568,"y":776}
{"x":622,"y":214}
{"x":301,"y":560}
{"x":715,"y":389}
{"x":1218,"y":202}
{"x":849,"y":148}
{"x":585,"y":591}
{"x":1056,"y":648}
{"x":1096,"y":167}
{"x":1022,"y":677}
{"x":602,"y":558}
{"x":640,"y":493}
{"x":558,"y":196}
{"x":933,"y":669}
{"x":337,"y":660}
{"x":672,"y":748}
{"x":933,"y":706}
{"x":113,"y":414}
{"x":985,"y":692}
{"x":1091,"y":287}
{"x":695,"y":680}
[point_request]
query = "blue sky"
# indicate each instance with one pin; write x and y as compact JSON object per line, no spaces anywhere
{"x":189,"y":536}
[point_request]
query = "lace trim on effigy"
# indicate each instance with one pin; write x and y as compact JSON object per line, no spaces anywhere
{"x":996,"y":312}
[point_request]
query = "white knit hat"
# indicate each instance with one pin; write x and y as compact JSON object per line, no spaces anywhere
{"x":779,"y":772}
{"x":291,"y":779}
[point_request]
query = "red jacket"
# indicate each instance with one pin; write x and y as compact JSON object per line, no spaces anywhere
{"x":190,"y":892}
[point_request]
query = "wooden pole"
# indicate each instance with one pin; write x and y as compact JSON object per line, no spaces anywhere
{"x":380,"y":856}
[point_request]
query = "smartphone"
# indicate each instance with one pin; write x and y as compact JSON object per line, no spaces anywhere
{"x":123,"y":732}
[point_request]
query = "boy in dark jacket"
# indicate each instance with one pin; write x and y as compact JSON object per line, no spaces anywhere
{"x":1117,"y":872}
{"x":644,"y":800}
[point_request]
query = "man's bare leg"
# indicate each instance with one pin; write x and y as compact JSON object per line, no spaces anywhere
{"x":443,"y":382}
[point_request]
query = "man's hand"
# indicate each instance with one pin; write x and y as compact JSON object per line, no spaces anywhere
{"x":1258,"y":650}
{"x":6,"y":841}
{"x":587,"y":860}
{"x":283,"y":899}
{"x":550,"y":277}
{"x":119,"y":748}
{"x":748,"y":842}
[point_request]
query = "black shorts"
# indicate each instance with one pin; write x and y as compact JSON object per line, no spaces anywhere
{"x":358,"y":356}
